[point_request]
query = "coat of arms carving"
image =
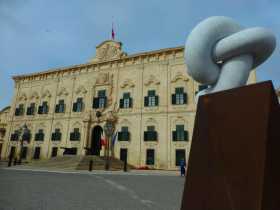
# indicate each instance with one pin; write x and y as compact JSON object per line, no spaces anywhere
{"x":108,"y":50}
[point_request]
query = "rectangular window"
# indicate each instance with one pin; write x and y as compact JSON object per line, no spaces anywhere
{"x":180,"y":97}
{"x":150,"y":134}
{"x":44,"y":109}
{"x":101,"y":103}
{"x":59,"y":108}
{"x":180,"y":132}
{"x":152,"y":99}
{"x":150,"y":157}
{"x":31,"y":109}
{"x":20,"y":110}
{"x":124,"y":135}
{"x":79,"y":104}
{"x":56,"y":136}
{"x":101,"y":93}
{"x":40,"y":135}
{"x":180,"y":156}
{"x":75,"y":136}
{"x":126,"y":101}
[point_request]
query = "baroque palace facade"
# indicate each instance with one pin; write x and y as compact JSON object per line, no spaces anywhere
{"x":150,"y":95}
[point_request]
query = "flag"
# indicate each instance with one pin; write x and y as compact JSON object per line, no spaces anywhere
{"x":113,"y":33}
{"x":103,"y":142}
{"x":114,"y":138}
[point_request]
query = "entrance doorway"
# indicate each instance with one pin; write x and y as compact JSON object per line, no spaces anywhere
{"x":37,"y":153}
{"x":54,"y":152}
{"x":96,"y":140}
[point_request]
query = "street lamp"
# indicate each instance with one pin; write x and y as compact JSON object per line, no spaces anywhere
{"x":24,"y":131}
{"x":109,"y":130}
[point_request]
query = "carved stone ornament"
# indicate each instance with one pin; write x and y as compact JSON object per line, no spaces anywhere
{"x":127,"y":83}
{"x":62,"y":91}
{"x":46,"y":93}
{"x":152,"y":80}
{"x":34,"y":95}
{"x":22,"y":97}
{"x":102,"y":79}
{"x":179,"y":76}
{"x":108,"y":50}
{"x":81,"y":90}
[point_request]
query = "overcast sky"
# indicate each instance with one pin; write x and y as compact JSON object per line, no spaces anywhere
{"x":38,"y":35}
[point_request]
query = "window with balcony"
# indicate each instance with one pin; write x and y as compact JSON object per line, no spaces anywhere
{"x":180,"y":134}
{"x":14,"y":136}
{"x":124,"y":134}
{"x":60,"y":107}
{"x":31,"y":109}
{"x":78,"y":106}
{"x":56,"y":135}
{"x":151,"y":99}
{"x":19,"y":110}
{"x":75,"y":135}
{"x":180,"y":97}
{"x":40,"y":135}
{"x":100,"y":101}
{"x":126,"y":101}
{"x":150,"y":134}
{"x":44,"y":108}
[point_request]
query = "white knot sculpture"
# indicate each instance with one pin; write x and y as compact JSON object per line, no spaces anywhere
{"x":220,"y":53}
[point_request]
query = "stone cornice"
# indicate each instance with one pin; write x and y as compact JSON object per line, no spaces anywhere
{"x":78,"y":68}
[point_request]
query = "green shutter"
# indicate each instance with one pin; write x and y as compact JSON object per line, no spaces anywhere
{"x":173,"y":98}
{"x":105,"y":102}
{"x":95,"y":103}
{"x":146,"y":135}
{"x":121,"y":103}
{"x":119,"y":136}
{"x":156,"y":100}
{"x":174,"y":135}
{"x":146,"y":101}
{"x":186,"y":135}
{"x":130,"y":102}
{"x":56,"y":108}
{"x":185,"y":98}
{"x":74,"y":107}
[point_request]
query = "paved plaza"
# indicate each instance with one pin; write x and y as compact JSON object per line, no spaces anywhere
{"x":64,"y":190}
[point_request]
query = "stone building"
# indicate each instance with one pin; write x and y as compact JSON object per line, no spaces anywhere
{"x":149,"y":94}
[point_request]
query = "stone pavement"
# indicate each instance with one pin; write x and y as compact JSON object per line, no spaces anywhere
{"x":23,"y":189}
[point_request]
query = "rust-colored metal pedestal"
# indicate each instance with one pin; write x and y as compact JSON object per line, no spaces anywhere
{"x":234,"y":160}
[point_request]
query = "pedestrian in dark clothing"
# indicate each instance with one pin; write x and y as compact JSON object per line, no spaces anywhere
{"x":182,"y":167}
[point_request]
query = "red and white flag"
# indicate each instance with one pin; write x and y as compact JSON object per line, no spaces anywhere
{"x":113,"y":32}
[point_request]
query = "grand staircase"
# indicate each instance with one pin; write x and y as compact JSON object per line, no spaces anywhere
{"x":74,"y":162}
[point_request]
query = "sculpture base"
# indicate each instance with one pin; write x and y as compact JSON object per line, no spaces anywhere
{"x":234,"y":160}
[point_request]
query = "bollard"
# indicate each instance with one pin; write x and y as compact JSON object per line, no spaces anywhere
{"x":90,"y":165}
{"x":15,"y":161}
{"x":125,"y":166}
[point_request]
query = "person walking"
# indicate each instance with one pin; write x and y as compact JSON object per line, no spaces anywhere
{"x":182,"y":167}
